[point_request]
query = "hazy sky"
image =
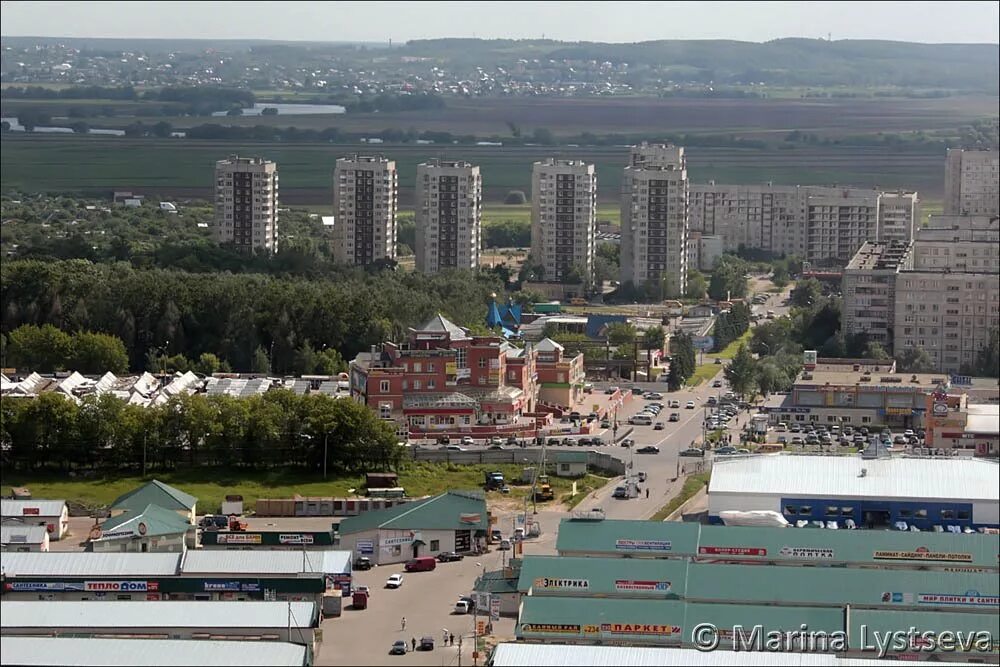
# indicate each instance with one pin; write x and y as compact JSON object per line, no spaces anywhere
{"x":591,"y":21}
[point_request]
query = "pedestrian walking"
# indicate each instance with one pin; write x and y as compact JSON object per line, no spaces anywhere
{"x":451,"y":639}
{"x":413,"y":644}
{"x":402,"y":624}
{"x":444,"y":636}
{"x":647,"y":493}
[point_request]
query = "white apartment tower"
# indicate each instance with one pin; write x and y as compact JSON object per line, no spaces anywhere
{"x":972,"y":182}
{"x":365,"y":196}
{"x":654,"y":214}
{"x":246,"y":204}
{"x":898,"y":216}
{"x":449,"y":216}
{"x":564,"y":219}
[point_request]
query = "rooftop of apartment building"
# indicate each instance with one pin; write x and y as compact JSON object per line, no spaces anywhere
{"x":237,"y":160}
{"x":868,"y":378}
{"x":454,"y":164}
{"x":878,"y":256}
{"x":562,"y":162}
{"x":381,"y":159}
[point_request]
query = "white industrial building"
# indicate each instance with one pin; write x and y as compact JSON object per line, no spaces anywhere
{"x":876,"y":492}
{"x":52,"y":514}
{"x":21,"y":538}
{"x":294,"y":622}
{"x":79,"y":651}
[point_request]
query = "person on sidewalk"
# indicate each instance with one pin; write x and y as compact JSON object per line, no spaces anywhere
{"x":402,"y":624}
{"x":413,"y":644}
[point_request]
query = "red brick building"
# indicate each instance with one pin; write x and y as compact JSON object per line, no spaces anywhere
{"x":444,"y":381}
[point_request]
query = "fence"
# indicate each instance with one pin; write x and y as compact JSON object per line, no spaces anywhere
{"x":520,"y":456}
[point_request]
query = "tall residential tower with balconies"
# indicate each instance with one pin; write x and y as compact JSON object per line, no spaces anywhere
{"x":365,"y":197}
{"x":246,"y":204}
{"x":564,"y":220}
{"x":449,"y":216}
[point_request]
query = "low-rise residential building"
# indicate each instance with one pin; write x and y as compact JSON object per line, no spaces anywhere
{"x":452,"y":521}
{"x":53,"y":515}
{"x":560,"y":376}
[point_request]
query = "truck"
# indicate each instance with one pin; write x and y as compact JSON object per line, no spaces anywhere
{"x":493,"y":480}
{"x":543,"y":490}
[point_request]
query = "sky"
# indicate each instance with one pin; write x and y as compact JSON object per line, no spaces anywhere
{"x":932,"y":22}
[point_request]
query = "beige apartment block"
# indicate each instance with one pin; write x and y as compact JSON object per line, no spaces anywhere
{"x":564,"y":219}
{"x":972,"y":182}
{"x":246,"y":204}
{"x":839,"y":222}
{"x":869,"y":289}
{"x":365,"y":199}
{"x":654,"y":215}
{"x":449,"y":216}
{"x":898,"y":216}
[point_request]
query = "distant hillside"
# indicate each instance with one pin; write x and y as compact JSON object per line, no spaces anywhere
{"x":790,"y":62}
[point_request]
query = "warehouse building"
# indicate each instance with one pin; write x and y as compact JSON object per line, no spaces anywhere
{"x":53,"y":514}
{"x":21,"y":538}
{"x":878,"y":549}
{"x":510,"y":654}
{"x":78,"y":651}
{"x":152,"y":529}
{"x":451,"y":521}
{"x":868,"y":492}
{"x":157,"y":493}
{"x":295,"y":622}
{"x":268,"y":540}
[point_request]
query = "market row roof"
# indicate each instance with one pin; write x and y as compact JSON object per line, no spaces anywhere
{"x":155,"y":493}
{"x":86,"y":652}
{"x":452,"y":510}
{"x":153,"y":521}
{"x":141,"y":614}
{"x":856,"y":477}
{"x":983,"y":419}
{"x":12,"y":533}
{"x":668,"y":539}
{"x":16,"y":508}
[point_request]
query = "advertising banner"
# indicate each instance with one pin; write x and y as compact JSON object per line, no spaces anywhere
{"x":731,"y":551}
{"x":121,"y":586}
{"x":923,"y":553}
{"x":642,"y":545}
{"x":562,"y":584}
{"x":551,"y":628}
{"x":632,"y":585}
{"x":238,"y":538}
{"x":494,"y":607}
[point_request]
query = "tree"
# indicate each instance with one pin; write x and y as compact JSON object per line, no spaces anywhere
{"x":261,"y":362}
{"x":988,"y":357}
{"x":914,"y":360}
{"x":653,"y":338}
{"x":97,"y":353}
{"x":874,"y":350}
{"x":697,"y":287}
{"x":306,"y":360}
{"x":771,"y":377}
{"x":621,"y":333}
{"x":728,"y":279}
{"x":42,"y":349}
{"x":742,"y":373}
{"x":208,"y":364}
{"x":543,"y":136}
{"x":806,"y":293}
{"x":329,"y":362}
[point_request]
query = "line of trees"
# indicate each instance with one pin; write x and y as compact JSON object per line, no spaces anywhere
{"x":47,"y":348}
{"x":731,"y":325}
{"x":276,"y":429}
{"x":682,"y":360}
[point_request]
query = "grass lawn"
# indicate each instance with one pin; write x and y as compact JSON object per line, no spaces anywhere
{"x":691,"y":486}
{"x":211,"y":486}
{"x":730,"y":350}
{"x":702,"y":374}
{"x":584,"y":486}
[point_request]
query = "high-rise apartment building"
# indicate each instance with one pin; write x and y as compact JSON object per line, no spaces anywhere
{"x":449,"y":216}
{"x":898,"y":216}
{"x":564,"y":220}
{"x":869,"y":288}
{"x":654,"y":215}
{"x":246,"y":204}
{"x":839,"y":222}
{"x":365,"y":197}
{"x":972,"y":182}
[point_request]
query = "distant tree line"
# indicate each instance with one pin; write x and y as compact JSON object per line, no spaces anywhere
{"x":277,"y":429}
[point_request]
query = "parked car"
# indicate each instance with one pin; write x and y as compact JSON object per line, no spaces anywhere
{"x":504,"y":545}
{"x":420,"y":564}
{"x":398,"y":648}
{"x":795,"y":428}
{"x":658,"y":426}
{"x":690,"y":405}
{"x":394,"y":581}
{"x":605,"y":423}
{"x":627,"y":442}
{"x":426,"y":643}
{"x":553,"y":441}
{"x":449,"y":557}
{"x":467,"y":440}
{"x":675,"y":416}
{"x":454,"y":448}
{"x":583,"y":442}
{"x":692,"y":451}
{"x":675,"y":404}
{"x":796,"y":440}
{"x":718,"y":361}
{"x":717,"y":383}
{"x":363,"y":563}
{"x":653,"y":396}
{"x":649,"y":449}
{"x":462,"y":607}
{"x":782,"y":440}
{"x":642,"y":477}
{"x":725,"y":451}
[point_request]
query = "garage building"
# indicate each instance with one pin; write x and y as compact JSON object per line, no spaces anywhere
{"x":53,"y":514}
{"x":74,"y":651}
{"x":872,"y":492}
{"x":18,"y":537}
{"x":451,"y":521}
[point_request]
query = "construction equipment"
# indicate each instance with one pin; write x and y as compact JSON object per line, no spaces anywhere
{"x":543,"y":490}
{"x":237,"y":524}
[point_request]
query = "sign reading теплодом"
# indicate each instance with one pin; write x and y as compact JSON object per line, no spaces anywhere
{"x":642,"y":545}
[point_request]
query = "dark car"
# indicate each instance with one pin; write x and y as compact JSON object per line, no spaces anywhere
{"x":692,"y":451}
{"x":628,"y":442}
{"x":426,"y":643}
{"x":658,"y":426}
{"x":583,"y":442}
{"x":449,"y":556}
{"x":398,"y":648}
{"x":726,"y":451}
{"x":553,"y":441}
{"x":675,"y":416}
{"x":649,"y":449}
{"x":363,"y":563}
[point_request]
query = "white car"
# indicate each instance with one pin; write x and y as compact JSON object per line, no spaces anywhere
{"x":690,"y":405}
{"x":395,"y":581}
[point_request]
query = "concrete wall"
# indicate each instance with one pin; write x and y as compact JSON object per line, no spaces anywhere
{"x":527,"y":456}
{"x":161,"y":543}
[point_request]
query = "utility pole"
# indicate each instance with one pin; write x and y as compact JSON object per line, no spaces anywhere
{"x":143,"y":454}
{"x":326,"y":436}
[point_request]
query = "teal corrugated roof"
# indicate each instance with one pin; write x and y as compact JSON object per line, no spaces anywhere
{"x":770,"y":618}
{"x":655,"y":539}
{"x":833,"y":585}
{"x":155,"y":493}
{"x":635,"y":577}
{"x":865,"y":623}
{"x":441,"y":512}
{"x":157,"y":521}
{"x":571,"y":457}
{"x":600,"y":619}
{"x":494,"y":581}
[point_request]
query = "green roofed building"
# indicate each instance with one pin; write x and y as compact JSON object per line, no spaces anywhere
{"x":571,"y":464}
{"x":606,"y":577}
{"x":157,"y":493}
{"x":152,"y":529}
{"x":452,"y":521}
{"x":594,"y":620}
{"x":980,"y":634}
{"x":619,"y":538}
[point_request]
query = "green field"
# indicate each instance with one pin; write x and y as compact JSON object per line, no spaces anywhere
{"x":692,"y":485}
{"x":211,"y":486}
{"x":179,"y":169}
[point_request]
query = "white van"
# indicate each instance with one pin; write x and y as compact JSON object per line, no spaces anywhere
{"x":641,"y":420}
{"x":781,"y":427}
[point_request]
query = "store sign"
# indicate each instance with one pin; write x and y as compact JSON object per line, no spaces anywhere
{"x":470,"y":518}
{"x":551,"y":628}
{"x":632,"y":585}
{"x":29,"y":511}
{"x":940,"y":408}
{"x":562,"y":584}
{"x":366,"y":547}
{"x":640,"y":629}
{"x":732,"y":551}
{"x":121,"y":586}
{"x":808,"y":553}
{"x":396,"y":541}
{"x":494,"y":607}
{"x":295,"y":538}
{"x":219,"y":586}
{"x":922,"y":553}
{"x":116,"y":533}
{"x":642,"y":545}
{"x":41,"y":586}
{"x":238,"y":538}
{"x":969,"y":599}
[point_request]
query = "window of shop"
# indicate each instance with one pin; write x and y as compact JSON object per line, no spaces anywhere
{"x":435,"y":545}
{"x":948,"y":514}
{"x":866,"y":420}
{"x":920,"y":514}
{"x":791,"y":509}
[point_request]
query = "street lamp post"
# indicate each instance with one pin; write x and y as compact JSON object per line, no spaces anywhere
{"x":326,"y":437}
